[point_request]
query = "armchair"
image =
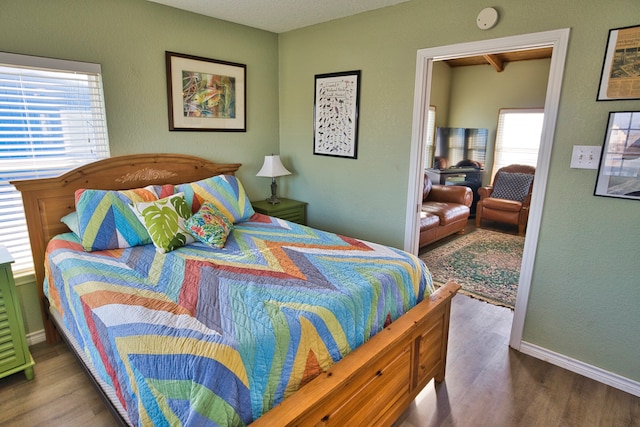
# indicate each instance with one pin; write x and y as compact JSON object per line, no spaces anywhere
{"x":508,"y":199}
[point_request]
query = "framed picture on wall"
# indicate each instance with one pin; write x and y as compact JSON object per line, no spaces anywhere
{"x":336,"y":100}
{"x":619,"y":172}
{"x":621,"y":66}
{"x":205,"y":94}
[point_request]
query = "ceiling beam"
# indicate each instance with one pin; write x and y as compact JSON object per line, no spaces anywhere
{"x":495,"y":62}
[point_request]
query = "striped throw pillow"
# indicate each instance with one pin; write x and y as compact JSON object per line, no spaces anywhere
{"x":225,"y":192}
{"x":105,"y":220}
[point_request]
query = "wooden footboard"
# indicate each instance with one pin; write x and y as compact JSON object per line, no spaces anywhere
{"x":374,"y":384}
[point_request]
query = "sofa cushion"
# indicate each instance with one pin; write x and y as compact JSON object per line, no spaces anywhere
{"x":450,"y":194}
{"x":446,"y":212}
{"x":428,"y":221}
{"x":502,"y":204}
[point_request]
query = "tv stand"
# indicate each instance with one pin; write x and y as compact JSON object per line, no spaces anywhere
{"x":440,"y":176}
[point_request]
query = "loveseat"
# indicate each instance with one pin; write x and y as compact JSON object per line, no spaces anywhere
{"x":445,"y":211}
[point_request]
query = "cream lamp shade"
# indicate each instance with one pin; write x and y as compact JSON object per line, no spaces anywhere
{"x":273,"y":168}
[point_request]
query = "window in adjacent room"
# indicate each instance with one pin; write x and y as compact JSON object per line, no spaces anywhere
{"x":429,"y":136}
{"x":517,"y":137}
{"x":52,"y":119}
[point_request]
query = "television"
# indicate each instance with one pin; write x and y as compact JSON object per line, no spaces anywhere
{"x":460,"y":147}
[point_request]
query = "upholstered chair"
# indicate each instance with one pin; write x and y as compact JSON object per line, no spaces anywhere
{"x":508,"y":199}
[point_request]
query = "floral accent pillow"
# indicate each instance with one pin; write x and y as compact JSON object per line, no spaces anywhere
{"x":209,"y":226}
{"x":164,"y":221}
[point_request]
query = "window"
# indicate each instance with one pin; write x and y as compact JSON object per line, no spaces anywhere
{"x":429,"y":137}
{"x":517,"y":137}
{"x":52,"y":119}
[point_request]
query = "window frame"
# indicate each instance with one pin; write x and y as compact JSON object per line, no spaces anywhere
{"x":52,"y":119}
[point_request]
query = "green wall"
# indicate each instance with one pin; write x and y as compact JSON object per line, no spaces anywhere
{"x":585,"y":291}
{"x":441,"y":92}
{"x":129,"y":39}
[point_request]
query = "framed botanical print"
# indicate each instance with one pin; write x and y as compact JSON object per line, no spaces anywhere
{"x":205,"y":94}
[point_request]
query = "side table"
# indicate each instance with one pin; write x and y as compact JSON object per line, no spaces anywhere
{"x":14,"y":352}
{"x":289,"y":209}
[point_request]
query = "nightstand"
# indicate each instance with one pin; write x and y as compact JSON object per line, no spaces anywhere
{"x":14,"y":352}
{"x":291,"y":210}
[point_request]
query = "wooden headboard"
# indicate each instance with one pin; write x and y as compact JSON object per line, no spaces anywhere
{"x":49,"y":199}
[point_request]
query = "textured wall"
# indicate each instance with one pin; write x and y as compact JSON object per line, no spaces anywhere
{"x":584,"y":294}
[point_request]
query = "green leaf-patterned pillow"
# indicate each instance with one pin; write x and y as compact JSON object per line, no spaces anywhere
{"x":164,"y":221}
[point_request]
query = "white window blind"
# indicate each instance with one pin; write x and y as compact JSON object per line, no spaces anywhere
{"x":52,"y":119}
{"x":517,"y":137}
{"x":430,"y":130}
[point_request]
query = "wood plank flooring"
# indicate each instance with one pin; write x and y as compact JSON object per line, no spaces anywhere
{"x":487,"y":384}
{"x":60,"y":395}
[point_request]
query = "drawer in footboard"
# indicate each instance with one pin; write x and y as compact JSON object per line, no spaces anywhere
{"x":367,"y":400}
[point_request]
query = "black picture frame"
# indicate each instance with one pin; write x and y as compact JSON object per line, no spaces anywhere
{"x":205,"y":94}
{"x":620,"y":77}
{"x":619,"y":169}
{"x":336,"y":113}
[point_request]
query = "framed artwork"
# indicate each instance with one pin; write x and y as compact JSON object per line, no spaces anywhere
{"x":335,"y":110}
{"x":205,"y":94}
{"x":619,"y":171}
{"x":621,"y":66}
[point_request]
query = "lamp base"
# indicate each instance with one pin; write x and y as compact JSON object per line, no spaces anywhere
{"x":274,"y":187}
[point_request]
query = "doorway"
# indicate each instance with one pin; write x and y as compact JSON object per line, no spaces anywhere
{"x":558,"y":41}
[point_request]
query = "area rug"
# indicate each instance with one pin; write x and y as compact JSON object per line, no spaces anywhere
{"x":485,"y":263}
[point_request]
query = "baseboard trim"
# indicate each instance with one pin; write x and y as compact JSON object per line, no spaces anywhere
{"x":589,"y":371}
{"x":36,"y":337}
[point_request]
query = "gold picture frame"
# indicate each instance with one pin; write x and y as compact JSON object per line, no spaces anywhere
{"x":205,"y":94}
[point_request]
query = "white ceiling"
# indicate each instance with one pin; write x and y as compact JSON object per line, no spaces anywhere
{"x":278,"y":16}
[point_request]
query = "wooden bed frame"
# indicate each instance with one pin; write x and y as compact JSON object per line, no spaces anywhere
{"x":371,"y":386}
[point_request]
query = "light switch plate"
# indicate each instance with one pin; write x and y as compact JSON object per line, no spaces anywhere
{"x":585,"y":157}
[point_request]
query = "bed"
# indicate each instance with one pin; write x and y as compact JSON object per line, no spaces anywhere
{"x":364,"y":373}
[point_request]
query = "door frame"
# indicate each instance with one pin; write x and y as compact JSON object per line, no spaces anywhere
{"x":556,"y":39}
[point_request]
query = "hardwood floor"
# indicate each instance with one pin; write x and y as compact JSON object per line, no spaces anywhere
{"x":60,"y":395}
{"x":487,"y":384}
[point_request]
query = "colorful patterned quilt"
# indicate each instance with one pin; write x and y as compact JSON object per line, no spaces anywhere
{"x":205,"y":336}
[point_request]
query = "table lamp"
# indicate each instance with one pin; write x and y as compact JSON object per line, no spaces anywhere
{"x":273,"y":168}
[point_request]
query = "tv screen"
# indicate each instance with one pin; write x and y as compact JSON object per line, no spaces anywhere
{"x":460,"y":147}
